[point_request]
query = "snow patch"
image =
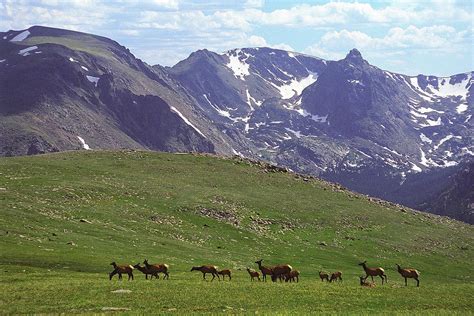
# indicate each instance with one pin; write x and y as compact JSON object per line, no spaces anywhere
{"x":26,"y":51}
{"x":239,"y":68}
{"x":295,"y":87}
{"x":221,"y":112}
{"x":461,"y":108}
{"x":296,"y":133}
{"x":175,"y":110}
{"x":85,"y":68}
{"x":20,"y":37}
{"x":93,"y":79}
{"x":83,"y":142}
{"x":425,"y":139}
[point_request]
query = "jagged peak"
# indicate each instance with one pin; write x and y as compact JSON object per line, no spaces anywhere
{"x":354,"y":56}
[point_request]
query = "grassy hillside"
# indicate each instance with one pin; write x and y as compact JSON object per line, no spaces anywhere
{"x":64,"y":217}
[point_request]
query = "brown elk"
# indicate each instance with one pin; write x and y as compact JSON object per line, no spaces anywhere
{"x":224,"y":273}
{"x":409,"y":273}
{"x":374,"y":272}
{"x":363,"y":282}
{"x":279,"y":271}
{"x":253,"y":274}
{"x":336,"y":276}
{"x":158,"y":268}
{"x":125,"y":269}
{"x":323,"y":276}
{"x":293,"y":276}
{"x":207,"y":269}
{"x":146,"y":271}
{"x":265,"y":270}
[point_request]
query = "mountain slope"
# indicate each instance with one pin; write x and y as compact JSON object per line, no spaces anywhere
{"x":66,"y":216}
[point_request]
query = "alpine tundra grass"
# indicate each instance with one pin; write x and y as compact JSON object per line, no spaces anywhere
{"x":65,"y":217}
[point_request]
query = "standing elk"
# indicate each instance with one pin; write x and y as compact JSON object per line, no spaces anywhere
{"x":125,"y":269}
{"x":146,"y":271}
{"x":253,"y":274}
{"x":336,"y":276}
{"x":207,"y":269}
{"x":374,"y":272}
{"x":323,"y":276}
{"x":224,"y":273}
{"x":409,"y":273}
{"x":157,"y":268}
{"x":265,"y":270}
{"x":293,"y":276}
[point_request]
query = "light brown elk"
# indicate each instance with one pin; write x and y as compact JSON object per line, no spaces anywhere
{"x":293,"y":276}
{"x":253,"y":274}
{"x":225,"y":272}
{"x":207,"y":269}
{"x":363,"y":282}
{"x":409,"y":273}
{"x":158,"y":268}
{"x":323,"y":276}
{"x":146,"y":271}
{"x":336,"y":276}
{"x":125,"y":269}
{"x":265,"y":270}
{"x":374,"y":272}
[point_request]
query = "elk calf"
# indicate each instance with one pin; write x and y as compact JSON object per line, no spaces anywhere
{"x":125,"y":269}
{"x":336,"y":276}
{"x":293,"y":276}
{"x":323,"y":276}
{"x":224,"y":273}
{"x":253,"y":274}
{"x":363,"y":282}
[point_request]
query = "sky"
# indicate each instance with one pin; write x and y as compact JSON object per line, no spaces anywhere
{"x":434,"y":37}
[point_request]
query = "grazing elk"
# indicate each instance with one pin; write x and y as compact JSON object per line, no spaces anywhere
{"x":409,"y":273}
{"x":158,"y":268}
{"x":323,"y":276}
{"x":293,"y":276}
{"x":224,"y":273}
{"x":146,"y":271}
{"x":207,"y":269}
{"x":125,"y":269}
{"x":253,"y":274}
{"x":374,"y":272}
{"x":265,"y":270}
{"x":336,"y":276}
{"x":363,"y":282}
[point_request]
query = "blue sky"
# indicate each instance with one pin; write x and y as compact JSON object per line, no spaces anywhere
{"x":406,"y":36}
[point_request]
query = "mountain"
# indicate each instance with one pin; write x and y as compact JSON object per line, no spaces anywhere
{"x":389,"y":135}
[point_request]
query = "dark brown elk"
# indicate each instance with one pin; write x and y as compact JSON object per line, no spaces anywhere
{"x":336,"y":276}
{"x":363,"y":282}
{"x":253,"y":274}
{"x":146,"y":271}
{"x":293,"y":276}
{"x":409,"y":273}
{"x":158,"y":268}
{"x":207,"y":269}
{"x":323,"y":276}
{"x":125,"y":269}
{"x":374,"y":272}
{"x":224,"y":273}
{"x":279,"y":271}
{"x":265,"y":270}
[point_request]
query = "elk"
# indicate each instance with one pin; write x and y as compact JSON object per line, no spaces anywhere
{"x":158,"y":268}
{"x":336,"y":276}
{"x":364,"y":283}
{"x":293,"y":276}
{"x":409,"y":273}
{"x":323,"y":276}
{"x":265,"y":270}
{"x":146,"y":271}
{"x":374,"y":272}
{"x":207,"y":269}
{"x":224,"y":273}
{"x":253,"y":274}
{"x":128,"y":269}
{"x":280,"y":271}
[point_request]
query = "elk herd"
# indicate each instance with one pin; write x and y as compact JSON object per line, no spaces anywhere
{"x":282,"y":272}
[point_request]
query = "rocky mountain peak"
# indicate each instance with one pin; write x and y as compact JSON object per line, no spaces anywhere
{"x":354,"y":56}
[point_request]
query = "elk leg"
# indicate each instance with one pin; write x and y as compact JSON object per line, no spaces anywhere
{"x":213,"y":277}
{"x":382,"y":279}
{"x":204,"y":275}
{"x":406,"y":282}
{"x":417,"y":282}
{"x":120,"y":275}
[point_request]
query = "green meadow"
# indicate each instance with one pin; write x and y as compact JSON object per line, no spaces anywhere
{"x":65,"y":217}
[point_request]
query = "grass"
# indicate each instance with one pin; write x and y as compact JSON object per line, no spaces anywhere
{"x":190,"y":210}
